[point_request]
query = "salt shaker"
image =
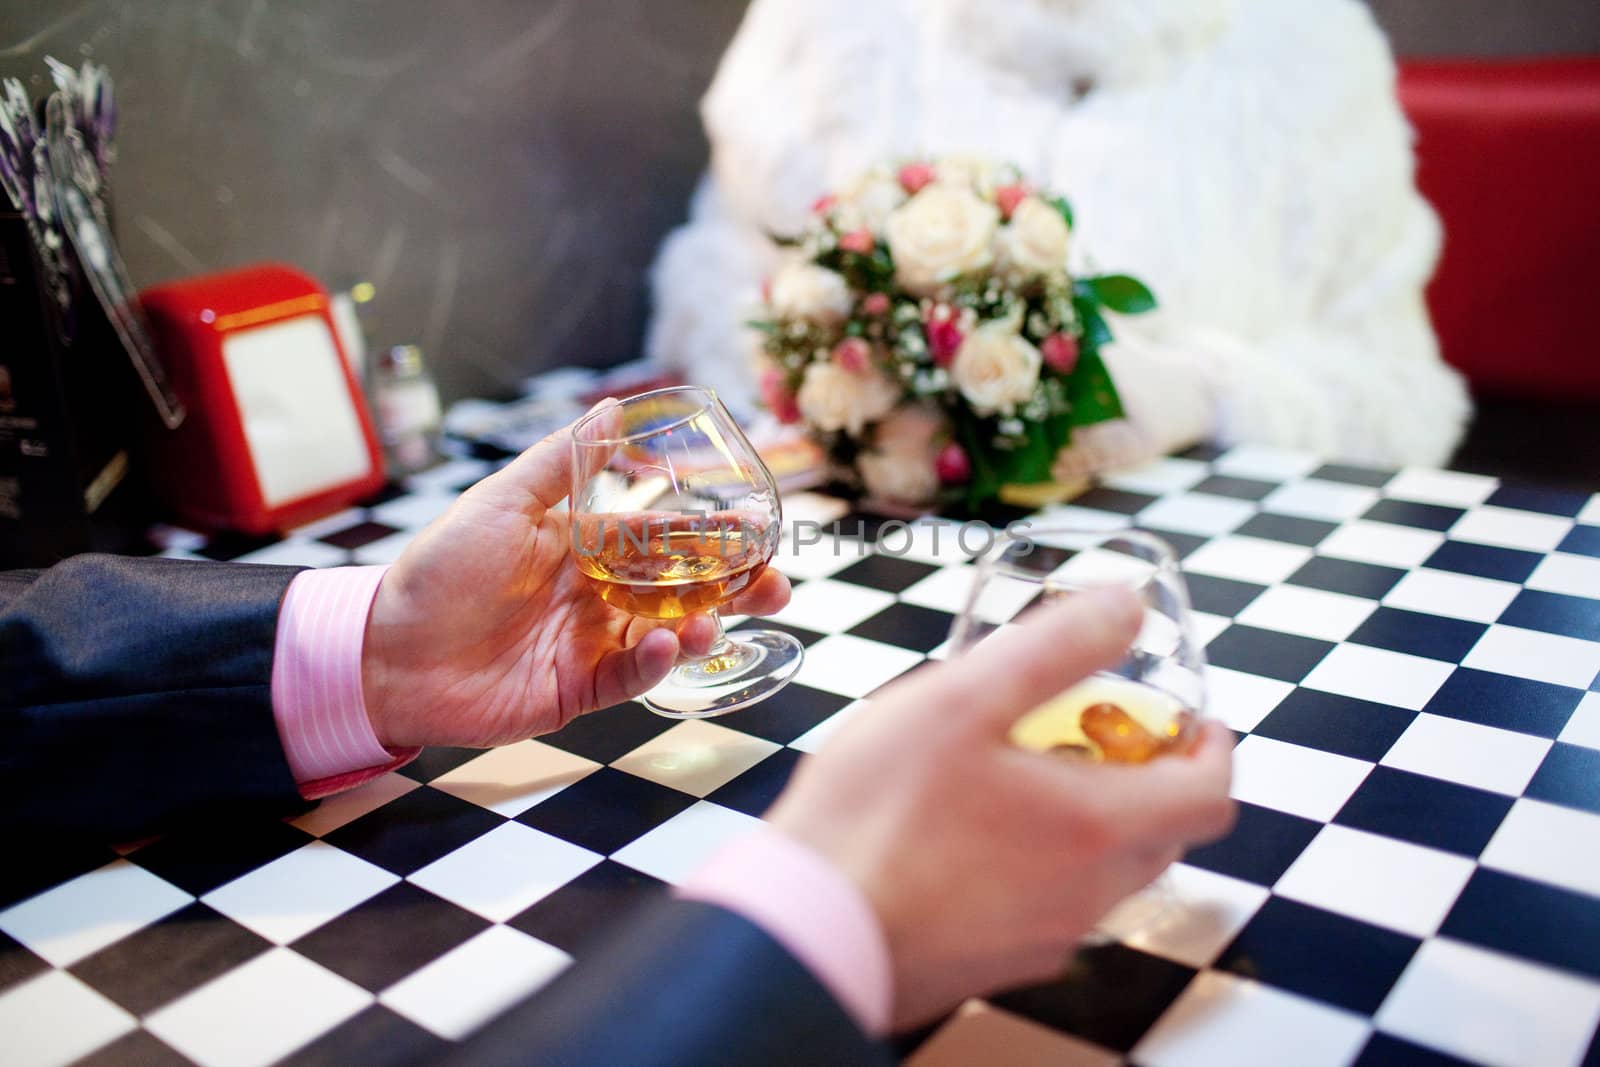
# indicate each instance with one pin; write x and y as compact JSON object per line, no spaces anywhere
{"x":408,"y":408}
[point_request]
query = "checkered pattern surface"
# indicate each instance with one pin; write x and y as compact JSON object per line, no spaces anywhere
{"x":1411,"y":661}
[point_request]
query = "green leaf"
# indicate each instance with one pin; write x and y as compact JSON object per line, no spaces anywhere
{"x":1120,"y":293}
{"x":870,"y":272}
{"x":1095,"y":330}
{"x":1028,"y":463}
{"x":1032,"y":462}
{"x":985,"y":481}
{"x":764,"y":327}
{"x":1092,"y":393}
{"x":1065,"y":207}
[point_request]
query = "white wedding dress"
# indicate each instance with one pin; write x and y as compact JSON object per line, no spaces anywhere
{"x":1246,"y":158}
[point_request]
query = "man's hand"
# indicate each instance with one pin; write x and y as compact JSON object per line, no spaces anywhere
{"x":986,"y":863}
{"x":483,"y":632}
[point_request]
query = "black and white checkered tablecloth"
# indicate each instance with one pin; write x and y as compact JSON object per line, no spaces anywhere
{"x":1412,"y":662}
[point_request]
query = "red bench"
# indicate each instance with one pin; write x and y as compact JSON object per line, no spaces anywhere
{"x":1509,"y":155}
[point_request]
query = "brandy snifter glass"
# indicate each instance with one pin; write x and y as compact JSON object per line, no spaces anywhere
{"x":673,"y":513}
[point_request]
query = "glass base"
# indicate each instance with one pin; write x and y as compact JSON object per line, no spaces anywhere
{"x":755,"y":665}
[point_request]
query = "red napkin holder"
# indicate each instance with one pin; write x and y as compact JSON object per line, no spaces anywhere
{"x":278,"y":432}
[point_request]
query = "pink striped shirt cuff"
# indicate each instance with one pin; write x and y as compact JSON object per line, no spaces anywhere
{"x":812,"y":910}
{"x":316,"y":682}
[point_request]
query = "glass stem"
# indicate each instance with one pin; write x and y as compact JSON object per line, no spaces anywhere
{"x":720,"y":643}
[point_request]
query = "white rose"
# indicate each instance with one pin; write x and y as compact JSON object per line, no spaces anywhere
{"x":1034,"y":242}
{"x":832,"y":398}
{"x":911,"y":429}
{"x":940,"y":234}
{"x":995,"y":368}
{"x":903,"y":479}
{"x":970,"y":172}
{"x":869,"y":204}
{"x":901,"y":463}
{"x":802,"y":290}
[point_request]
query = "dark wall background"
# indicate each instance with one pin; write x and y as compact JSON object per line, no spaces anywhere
{"x":499,"y":169}
{"x":1491,"y":27}
{"x":502,"y":170}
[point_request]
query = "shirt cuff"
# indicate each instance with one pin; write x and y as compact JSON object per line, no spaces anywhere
{"x":812,"y":910}
{"x":316,"y":682}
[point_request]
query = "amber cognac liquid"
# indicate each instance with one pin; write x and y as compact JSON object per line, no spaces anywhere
{"x":1107,"y":718}
{"x":667,"y":574}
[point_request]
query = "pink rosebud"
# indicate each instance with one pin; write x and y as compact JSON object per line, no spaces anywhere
{"x":852,"y":354}
{"x":776,"y":396}
{"x":1060,"y":352}
{"x":953,"y":466}
{"x":824,"y":204}
{"x":944,"y":336}
{"x":766,"y":290}
{"x":1007,"y":197}
{"x":876,"y":304}
{"x":860,"y":241}
{"x":913,"y":176}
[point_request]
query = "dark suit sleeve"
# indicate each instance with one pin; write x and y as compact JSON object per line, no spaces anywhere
{"x":135,"y":693}
{"x":682,"y":984}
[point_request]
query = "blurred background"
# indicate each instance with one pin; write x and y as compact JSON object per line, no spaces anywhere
{"x":503,"y":170}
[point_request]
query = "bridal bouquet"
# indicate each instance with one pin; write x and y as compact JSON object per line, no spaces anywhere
{"x":925,"y":330}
